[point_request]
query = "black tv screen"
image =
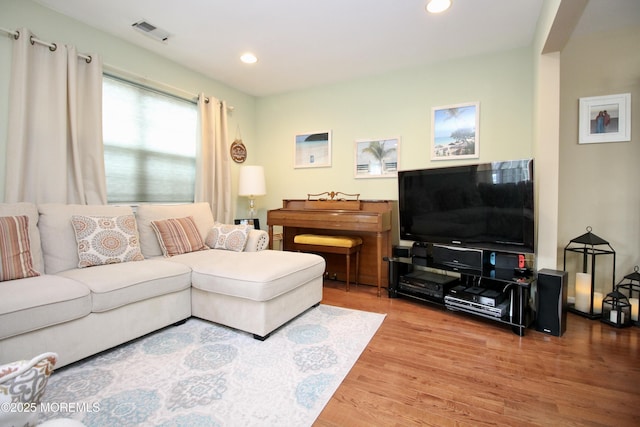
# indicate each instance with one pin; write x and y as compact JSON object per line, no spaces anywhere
{"x":487,"y":205}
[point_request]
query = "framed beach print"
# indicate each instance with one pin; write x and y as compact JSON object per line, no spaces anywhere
{"x":312,"y":150}
{"x":605,"y":119}
{"x":455,"y":132}
{"x":376,"y":158}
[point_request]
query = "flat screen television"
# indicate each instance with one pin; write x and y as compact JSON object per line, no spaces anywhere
{"x":488,"y":205}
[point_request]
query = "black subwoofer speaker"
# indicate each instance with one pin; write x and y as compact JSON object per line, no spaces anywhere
{"x":551,"y":302}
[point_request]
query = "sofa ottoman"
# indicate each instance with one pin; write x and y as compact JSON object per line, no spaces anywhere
{"x":253,"y":291}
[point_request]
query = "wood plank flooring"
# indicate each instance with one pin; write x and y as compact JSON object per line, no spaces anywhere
{"x":430,"y":366}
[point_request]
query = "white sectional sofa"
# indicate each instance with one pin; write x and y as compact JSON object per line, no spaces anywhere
{"x":79,"y":311}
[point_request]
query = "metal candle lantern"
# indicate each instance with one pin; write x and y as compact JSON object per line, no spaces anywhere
{"x":588,"y":303}
{"x":616,"y":310}
{"x":631,"y":282}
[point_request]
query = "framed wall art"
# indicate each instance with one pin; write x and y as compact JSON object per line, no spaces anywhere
{"x":376,"y":158}
{"x":455,"y":132}
{"x":605,"y":119}
{"x":312,"y":150}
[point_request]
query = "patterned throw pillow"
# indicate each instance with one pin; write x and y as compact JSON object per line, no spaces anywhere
{"x":106,"y":239}
{"x":228,"y":237}
{"x":23,"y":383}
{"x":178,"y":236}
{"x":15,"y":250}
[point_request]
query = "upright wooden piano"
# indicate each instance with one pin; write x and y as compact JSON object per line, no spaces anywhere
{"x":371,"y":220}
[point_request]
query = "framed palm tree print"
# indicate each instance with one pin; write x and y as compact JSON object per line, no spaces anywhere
{"x":377,"y":158}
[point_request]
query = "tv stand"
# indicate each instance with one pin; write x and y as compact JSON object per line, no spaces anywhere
{"x":498,"y":294}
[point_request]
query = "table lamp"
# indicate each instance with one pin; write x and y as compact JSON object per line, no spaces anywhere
{"x":251,"y":184}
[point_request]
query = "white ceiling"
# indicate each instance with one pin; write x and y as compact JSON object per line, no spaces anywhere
{"x":305,"y":43}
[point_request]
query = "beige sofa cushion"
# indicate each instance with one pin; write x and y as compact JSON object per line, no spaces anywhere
{"x":38,"y":302}
{"x":116,"y":285}
{"x":258,"y":276}
{"x":59,"y":245}
{"x":30,"y":210}
{"x":201,"y":213}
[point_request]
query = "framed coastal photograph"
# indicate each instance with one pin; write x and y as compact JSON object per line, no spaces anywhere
{"x":312,"y":150}
{"x":605,"y":119}
{"x":376,"y":158}
{"x":455,"y":132}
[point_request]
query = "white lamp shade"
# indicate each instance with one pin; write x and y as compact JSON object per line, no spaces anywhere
{"x":251,"y":182}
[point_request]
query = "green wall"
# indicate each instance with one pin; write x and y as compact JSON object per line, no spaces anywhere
{"x":390,"y":105}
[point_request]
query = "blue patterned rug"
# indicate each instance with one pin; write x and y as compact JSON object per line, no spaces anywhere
{"x":203,"y":374}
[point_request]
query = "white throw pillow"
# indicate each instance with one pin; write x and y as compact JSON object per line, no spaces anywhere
{"x":106,"y":240}
{"x":228,"y":237}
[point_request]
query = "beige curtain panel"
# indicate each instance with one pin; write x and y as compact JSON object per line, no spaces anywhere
{"x":54,"y":146}
{"x":213,"y":170}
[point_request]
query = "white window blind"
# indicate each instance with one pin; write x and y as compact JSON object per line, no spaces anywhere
{"x":149,"y":144}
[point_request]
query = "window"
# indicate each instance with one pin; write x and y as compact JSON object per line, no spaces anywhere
{"x":149,"y":144}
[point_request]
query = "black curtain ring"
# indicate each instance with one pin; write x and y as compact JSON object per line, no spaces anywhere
{"x":89,"y":59}
{"x":16,"y":36}
{"x":31,"y":40}
{"x":53,"y":47}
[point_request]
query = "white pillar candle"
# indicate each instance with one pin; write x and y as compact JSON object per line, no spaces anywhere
{"x":613,"y":316}
{"x":597,"y":302}
{"x":635,"y":304}
{"x":583,"y":292}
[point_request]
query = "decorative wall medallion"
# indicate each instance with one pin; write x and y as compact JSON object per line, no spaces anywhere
{"x":238,"y":151}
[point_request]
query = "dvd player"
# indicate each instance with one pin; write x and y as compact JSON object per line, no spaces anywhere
{"x":458,"y":303}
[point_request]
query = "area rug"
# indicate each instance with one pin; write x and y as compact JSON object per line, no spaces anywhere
{"x":203,"y":374}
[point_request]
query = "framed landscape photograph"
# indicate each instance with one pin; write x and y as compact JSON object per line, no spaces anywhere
{"x":455,"y":132}
{"x":312,"y":150}
{"x":605,"y":119}
{"x":376,"y":158}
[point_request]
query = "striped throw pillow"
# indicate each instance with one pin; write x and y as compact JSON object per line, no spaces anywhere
{"x":178,"y":236}
{"x":15,"y":250}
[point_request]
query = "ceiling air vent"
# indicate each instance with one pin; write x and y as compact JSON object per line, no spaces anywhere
{"x":151,"y":30}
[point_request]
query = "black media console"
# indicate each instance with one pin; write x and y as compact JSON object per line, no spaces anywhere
{"x":490,"y":284}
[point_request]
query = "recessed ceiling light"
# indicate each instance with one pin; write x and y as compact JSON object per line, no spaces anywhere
{"x":437,"y":6}
{"x":248,"y":58}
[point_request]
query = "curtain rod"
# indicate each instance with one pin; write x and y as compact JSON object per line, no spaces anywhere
{"x":143,"y":79}
{"x":53,"y":47}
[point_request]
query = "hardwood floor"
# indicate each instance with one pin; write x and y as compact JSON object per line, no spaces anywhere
{"x":430,"y":366}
